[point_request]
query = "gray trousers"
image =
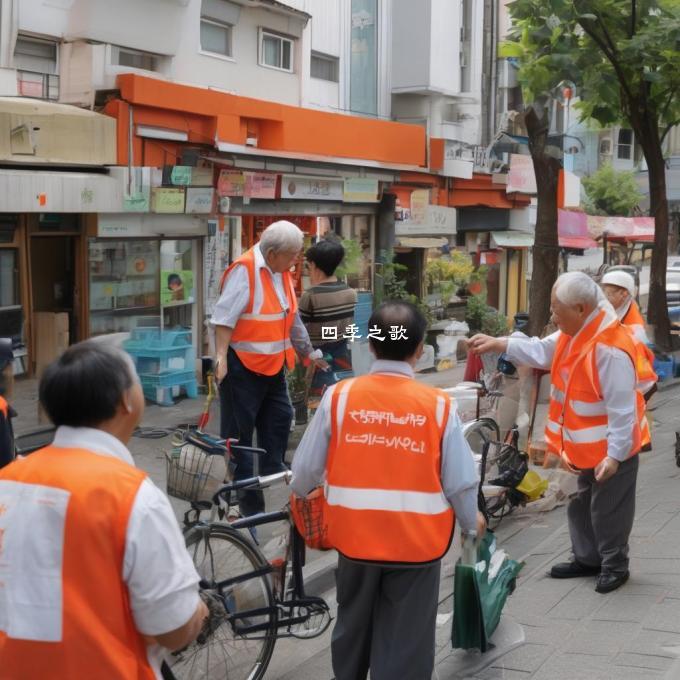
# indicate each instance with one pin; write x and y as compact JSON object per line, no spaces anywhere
{"x":601,"y":518}
{"x":386,"y":621}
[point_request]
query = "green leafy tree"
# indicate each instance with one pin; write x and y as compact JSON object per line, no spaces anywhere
{"x":611,"y":193}
{"x":623,"y":55}
{"x":541,"y":48}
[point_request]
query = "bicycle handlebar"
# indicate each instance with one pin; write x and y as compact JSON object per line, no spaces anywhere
{"x":262,"y":482}
{"x":220,"y":447}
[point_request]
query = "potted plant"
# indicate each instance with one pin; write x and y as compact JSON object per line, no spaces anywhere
{"x":298,"y":390}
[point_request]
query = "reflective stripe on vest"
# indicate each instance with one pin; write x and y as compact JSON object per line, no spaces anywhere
{"x":577,"y":422}
{"x":384,"y":422}
{"x":644,"y":359}
{"x":385,"y":499}
{"x":65,"y":609}
{"x":261,"y":337}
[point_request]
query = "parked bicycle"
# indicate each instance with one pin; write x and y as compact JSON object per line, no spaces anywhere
{"x":252,"y":600}
{"x":506,"y":481}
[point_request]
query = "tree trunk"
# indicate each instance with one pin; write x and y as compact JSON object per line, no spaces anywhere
{"x":657,"y":308}
{"x":546,"y":246}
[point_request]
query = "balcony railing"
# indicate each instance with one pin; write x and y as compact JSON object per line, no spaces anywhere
{"x":37,"y":85}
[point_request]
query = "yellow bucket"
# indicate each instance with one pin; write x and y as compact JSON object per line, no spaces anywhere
{"x":533,"y":486}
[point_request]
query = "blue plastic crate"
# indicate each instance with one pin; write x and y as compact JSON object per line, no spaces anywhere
{"x":158,"y":387}
{"x":147,"y":338}
{"x":168,"y":378}
{"x":663,"y":368}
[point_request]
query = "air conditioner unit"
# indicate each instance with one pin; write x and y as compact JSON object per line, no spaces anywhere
{"x":606,"y":147}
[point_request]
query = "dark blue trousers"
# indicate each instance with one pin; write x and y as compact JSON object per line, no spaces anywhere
{"x":250,"y":402}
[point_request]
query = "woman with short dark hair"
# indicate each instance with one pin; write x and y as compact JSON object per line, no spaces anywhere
{"x":327,"y":309}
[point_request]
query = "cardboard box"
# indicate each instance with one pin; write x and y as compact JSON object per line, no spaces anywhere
{"x":50,"y":338}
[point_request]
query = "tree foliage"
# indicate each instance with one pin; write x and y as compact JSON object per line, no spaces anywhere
{"x":623,"y":56}
{"x":611,"y":192}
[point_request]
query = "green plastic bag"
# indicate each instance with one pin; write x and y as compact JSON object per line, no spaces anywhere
{"x":478,"y":597}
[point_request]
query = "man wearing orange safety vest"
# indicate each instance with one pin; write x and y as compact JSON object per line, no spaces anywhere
{"x":396,"y":466}
{"x":594,"y":422}
{"x":95,"y":580}
{"x":619,"y":289}
{"x":258,"y":332}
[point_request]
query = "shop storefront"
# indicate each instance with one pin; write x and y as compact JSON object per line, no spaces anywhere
{"x":146,"y":270}
{"x":317,"y":205}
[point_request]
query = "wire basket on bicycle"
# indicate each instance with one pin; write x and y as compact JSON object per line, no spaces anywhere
{"x":310,"y":519}
{"x":188,"y":472}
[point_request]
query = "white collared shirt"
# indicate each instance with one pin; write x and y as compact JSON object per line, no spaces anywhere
{"x":458,"y":474}
{"x":160,"y":576}
{"x":617,"y":382}
{"x":236,"y":293}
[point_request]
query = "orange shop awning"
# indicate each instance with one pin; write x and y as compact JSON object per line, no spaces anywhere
{"x":253,"y":126}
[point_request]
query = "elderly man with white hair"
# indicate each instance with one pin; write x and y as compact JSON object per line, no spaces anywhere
{"x":258,"y":332}
{"x":594,"y":422}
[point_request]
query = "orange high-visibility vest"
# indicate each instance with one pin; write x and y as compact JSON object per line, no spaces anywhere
{"x":4,"y":406}
{"x":384,"y":495}
{"x":261,"y":337}
{"x":644,"y":359}
{"x":577,"y":418}
{"x":68,"y":610}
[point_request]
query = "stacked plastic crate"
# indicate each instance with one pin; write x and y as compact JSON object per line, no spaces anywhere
{"x":164,"y":362}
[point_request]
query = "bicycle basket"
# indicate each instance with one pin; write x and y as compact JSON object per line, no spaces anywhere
{"x":309,"y":518}
{"x":188,"y":472}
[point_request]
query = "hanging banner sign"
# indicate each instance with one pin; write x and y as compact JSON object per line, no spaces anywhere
{"x":231,"y":183}
{"x":260,"y":185}
{"x":199,"y":200}
{"x":361,"y":190}
{"x":312,"y":188}
{"x":521,"y":178}
{"x":165,"y":200}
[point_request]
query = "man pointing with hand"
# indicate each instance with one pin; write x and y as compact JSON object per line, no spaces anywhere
{"x":593,"y":422}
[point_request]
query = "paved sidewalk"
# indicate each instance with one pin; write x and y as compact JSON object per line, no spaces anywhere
{"x":574,"y":633}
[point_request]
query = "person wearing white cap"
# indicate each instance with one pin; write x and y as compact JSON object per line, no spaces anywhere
{"x":619,"y":288}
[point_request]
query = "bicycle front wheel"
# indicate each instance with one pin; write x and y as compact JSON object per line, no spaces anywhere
{"x":229,"y":649}
{"x":479,"y":432}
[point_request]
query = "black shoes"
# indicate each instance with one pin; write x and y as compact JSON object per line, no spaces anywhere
{"x":573,"y":570}
{"x":607,"y":582}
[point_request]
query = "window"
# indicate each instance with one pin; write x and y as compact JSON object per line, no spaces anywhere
{"x":624,"y":149}
{"x":134,"y":59}
{"x":9,"y":278}
{"x":276,"y":51}
{"x":216,"y":37}
{"x":36,"y":64}
{"x":35,"y":55}
{"x":324,"y":67}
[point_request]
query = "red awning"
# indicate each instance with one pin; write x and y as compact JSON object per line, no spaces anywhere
{"x":578,"y":242}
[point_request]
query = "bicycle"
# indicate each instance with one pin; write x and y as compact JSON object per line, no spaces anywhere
{"x":505,"y":479}
{"x":252,"y":601}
